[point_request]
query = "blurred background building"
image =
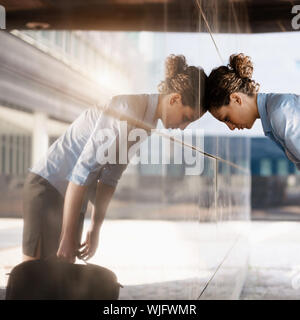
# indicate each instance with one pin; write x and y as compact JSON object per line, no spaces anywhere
{"x":47,"y":79}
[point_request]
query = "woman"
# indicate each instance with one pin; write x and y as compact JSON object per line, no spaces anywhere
{"x":232,"y":97}
{"x":58,"y":187}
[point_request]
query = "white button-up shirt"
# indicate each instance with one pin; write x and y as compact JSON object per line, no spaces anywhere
{"x":72,"y":157}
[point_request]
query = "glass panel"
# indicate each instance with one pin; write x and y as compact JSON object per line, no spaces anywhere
{"x":171,"y":234}
{"x":233,"y":214}
{"x":176,"y":230}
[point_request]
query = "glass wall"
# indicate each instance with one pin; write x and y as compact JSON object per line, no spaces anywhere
{"x":186,"y":237}
{"x":172,"y":231}
{"x":187,"y":234}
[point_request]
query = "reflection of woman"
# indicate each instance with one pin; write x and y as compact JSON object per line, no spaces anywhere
{"x":233,"y":98}
{"x":58,"y":187}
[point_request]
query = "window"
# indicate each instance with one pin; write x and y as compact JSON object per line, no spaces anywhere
{"x":265,"y":167}
{"x":59,"y":39}
{"x":68,"y":42}
{"x":282,"y":167}
{"x":45,"y":35}
{"x":3,"y":155}
{"x":11,"y":154}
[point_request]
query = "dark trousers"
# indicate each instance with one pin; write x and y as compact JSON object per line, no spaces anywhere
{"x":43,"y":214}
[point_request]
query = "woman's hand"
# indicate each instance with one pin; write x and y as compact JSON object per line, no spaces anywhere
{"x":89,"y":247}
{"x":69,"y":245}
{"x":67,"y":249}
{"x":104,"y":194}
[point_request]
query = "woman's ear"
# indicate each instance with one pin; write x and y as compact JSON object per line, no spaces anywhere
{"x":236,"y":98}
{"x":175,"y":98}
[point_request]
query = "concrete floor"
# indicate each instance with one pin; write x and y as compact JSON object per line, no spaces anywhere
{"x":274,"y":266}
{"x":274,"y":262}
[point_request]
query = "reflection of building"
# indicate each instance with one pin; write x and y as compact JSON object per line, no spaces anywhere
{"x":170,"y":181}
{"x":270,"y":169}
{"x":47,"y":78}
{"x":269,"y":160}
{"x":99,"y":56}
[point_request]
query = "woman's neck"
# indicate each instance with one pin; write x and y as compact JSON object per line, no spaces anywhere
{"x":158,"y":113}
{"x":255,"y":106}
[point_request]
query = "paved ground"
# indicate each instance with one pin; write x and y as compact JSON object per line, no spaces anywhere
{"x":274,"y":268}
{"x":274,"y":264}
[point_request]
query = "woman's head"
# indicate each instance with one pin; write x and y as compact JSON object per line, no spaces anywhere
{"x":182,"y":93}
{"x":231,"y":93}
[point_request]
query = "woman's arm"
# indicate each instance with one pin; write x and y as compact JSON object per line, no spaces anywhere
{"x":68,"y":246}
{"x":104,"y":195}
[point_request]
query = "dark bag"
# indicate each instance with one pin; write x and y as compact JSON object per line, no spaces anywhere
{"x":56,"y":279}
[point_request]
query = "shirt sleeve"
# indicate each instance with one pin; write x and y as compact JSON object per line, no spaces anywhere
{"x":89,"y":166}
{"x":286,"y":124}
{"x":112,"y":173}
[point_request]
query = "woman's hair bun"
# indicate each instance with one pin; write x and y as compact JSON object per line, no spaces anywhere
{"x":241,"y":65}
{"x":174,"y":65}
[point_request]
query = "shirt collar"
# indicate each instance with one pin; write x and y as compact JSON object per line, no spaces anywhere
{"x":262,"y":110}
{"x":151,"y":109}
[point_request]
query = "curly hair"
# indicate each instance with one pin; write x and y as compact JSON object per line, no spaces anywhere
{"x":225,"y":80}
{"x":188,"y":81}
